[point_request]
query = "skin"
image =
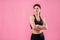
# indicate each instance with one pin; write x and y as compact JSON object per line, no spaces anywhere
{"x":36,"y":29}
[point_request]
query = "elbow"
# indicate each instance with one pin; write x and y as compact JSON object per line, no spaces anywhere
{"x":45,"y":28}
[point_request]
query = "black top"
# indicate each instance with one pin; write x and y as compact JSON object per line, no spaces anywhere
{"x":37,"y":22}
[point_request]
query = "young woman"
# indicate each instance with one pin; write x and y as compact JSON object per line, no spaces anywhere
{"x":37,"y":24}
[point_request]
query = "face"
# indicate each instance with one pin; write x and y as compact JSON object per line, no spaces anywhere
{"x":36,"y":9}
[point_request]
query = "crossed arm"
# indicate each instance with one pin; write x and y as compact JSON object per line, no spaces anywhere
{"x":37,"y":27}
{"x":42,"y":27}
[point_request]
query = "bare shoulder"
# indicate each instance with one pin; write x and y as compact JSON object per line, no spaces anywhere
{"x":31,"y":17}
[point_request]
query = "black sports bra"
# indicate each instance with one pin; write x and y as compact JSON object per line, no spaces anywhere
{"x":37,"y":22}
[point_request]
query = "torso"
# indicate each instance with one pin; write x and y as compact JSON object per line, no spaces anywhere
{"x":38,"y":21}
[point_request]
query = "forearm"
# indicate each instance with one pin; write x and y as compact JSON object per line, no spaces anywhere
{"x":37,"y":28}
{"x":42,"y":27}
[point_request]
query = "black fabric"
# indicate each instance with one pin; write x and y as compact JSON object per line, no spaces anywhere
{"x":37,"y":36}
{"x":37,"y":22}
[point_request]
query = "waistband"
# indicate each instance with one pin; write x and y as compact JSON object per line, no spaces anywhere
{"x":37,"y":34}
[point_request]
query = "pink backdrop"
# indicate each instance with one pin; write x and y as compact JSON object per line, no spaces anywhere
{"x":14,"y":19}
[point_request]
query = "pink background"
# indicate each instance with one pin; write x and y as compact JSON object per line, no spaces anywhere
{"x":14,"y":19}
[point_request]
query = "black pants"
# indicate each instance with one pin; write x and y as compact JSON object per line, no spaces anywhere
{"x":37,"y":36}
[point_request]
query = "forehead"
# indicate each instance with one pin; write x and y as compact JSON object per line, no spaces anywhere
{"x":36,"y":7}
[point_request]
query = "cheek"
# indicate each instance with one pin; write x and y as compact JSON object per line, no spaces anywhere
{"x":39,"y":10}
{"x":34,"y":10}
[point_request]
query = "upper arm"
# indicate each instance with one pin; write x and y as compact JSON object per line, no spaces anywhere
{"x":44,"y":23}
{"x":32,"y":21}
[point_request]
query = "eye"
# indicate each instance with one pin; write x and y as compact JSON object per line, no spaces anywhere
{"x":37,"y":8}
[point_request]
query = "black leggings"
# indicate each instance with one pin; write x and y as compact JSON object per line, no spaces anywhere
{"x":37,"y":36}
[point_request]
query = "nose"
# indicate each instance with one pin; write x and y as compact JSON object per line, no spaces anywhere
{"x":36,"y":10}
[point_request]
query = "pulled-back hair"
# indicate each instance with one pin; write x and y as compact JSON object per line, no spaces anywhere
{"x":36,"y":5}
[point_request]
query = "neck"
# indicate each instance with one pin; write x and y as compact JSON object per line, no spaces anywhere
{"x":36,"y":14}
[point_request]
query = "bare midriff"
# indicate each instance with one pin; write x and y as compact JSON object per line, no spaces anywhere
{"x":36,"y":32}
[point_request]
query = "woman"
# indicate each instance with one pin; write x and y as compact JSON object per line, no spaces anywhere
{"x":37,"y":24}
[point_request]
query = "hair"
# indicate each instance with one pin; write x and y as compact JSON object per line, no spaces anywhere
{"x":37,"y":5}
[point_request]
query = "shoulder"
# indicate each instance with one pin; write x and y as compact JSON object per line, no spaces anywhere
{"x":31,"y":17}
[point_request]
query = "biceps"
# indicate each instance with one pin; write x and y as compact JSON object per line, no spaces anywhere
{"x":32,"y":24}
{"x":45,"y":25}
